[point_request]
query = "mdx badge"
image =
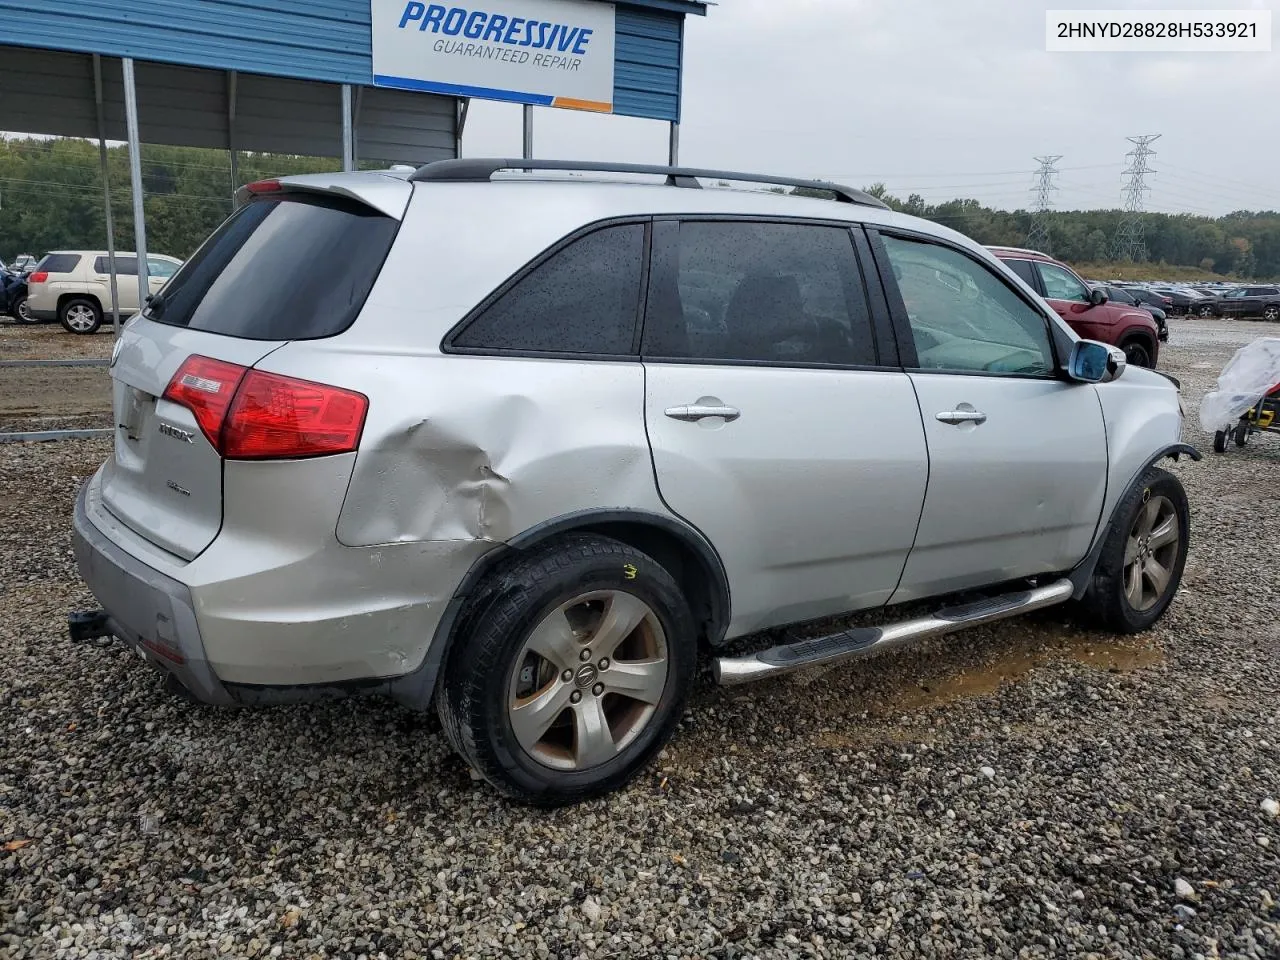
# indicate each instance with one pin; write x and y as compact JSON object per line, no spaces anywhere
{"x":171,"y":431}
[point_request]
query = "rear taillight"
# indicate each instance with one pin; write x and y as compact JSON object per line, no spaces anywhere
{"x":250,"y":415}
{"x":205,"y":387}
{"x":274,"y":416}
{"x":40,"y":277}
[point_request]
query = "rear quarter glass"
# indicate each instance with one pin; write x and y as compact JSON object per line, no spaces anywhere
{"x":290,"y":266}
{"x":58,"y":263}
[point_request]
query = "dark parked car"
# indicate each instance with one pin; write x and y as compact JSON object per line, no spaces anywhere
{"x":1182,"y":301}
{"x":1261,"y":302}
{"x":1130,"y":298}
{"x":13,"y":296}
{"x":1151,"y":298}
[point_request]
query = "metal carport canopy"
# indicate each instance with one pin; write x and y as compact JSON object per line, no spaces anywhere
{"x":289,"y":76}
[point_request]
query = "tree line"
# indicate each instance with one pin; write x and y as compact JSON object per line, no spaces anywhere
{"x":51,"y":197}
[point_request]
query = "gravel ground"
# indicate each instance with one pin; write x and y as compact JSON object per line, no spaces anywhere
{"x":1028,"y":789}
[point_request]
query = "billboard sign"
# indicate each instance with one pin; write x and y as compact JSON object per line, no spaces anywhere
{"x":551,"y":53}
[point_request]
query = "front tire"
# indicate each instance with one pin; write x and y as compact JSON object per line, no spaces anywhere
{"x":80,"y":315}
{"x":20,"y":310}
{"x":1143,"y":556}
{"x":1271,"y":313}
{"x":572,"y":673}
{"x":1220,"y":439}
{"x":1137,"y":354}
{"x":1206,"y":312}
{"x":1240,"y":434}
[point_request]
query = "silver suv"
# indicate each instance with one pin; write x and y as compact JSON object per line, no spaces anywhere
{"x":524,"y":447}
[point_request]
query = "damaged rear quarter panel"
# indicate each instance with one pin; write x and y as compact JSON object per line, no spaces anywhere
{"x":492,"y":446}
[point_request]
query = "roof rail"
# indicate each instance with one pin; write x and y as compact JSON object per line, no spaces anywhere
{"x":481,"y":170}
{"x":1001,"y":246}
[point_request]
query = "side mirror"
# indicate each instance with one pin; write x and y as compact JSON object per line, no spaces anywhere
{"x":1094,"y":362}
{"x":1097,"y":297}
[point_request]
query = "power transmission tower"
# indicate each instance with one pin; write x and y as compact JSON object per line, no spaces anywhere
{"x":1130,"y":241}
{"x":1038,"y":237}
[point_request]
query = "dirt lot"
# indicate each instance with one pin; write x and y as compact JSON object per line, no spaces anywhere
{"x":1028,"y":789}
{"x":49,"y":398}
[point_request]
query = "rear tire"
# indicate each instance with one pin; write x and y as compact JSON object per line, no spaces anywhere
{"x":1271,"y":313}
{"x":1143,"y":556}
{"x":1240,"y":434}
{"x":542,"y":711}
{"x":1206,"y":312}
{"x":80,"y":315}
{"x":1220,"y":441}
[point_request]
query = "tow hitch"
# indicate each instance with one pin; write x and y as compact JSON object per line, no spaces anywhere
{"x":87,"y":625}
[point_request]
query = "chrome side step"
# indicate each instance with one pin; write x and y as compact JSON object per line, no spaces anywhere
{"x":863,"y":641}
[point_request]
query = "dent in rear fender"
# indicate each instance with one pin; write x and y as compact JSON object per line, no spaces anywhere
{"x":483,"y":448}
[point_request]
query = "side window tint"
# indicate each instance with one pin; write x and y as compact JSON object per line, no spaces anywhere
{"x":583,"y":299}
{"x":125,"y":266}
{"x":963,"y":317}
{"x":1060,"y":284}
{"x":1023,"y":269}
{"x":773,"y":292}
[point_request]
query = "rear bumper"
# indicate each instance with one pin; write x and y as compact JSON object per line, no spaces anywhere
{"x":147,"y":610}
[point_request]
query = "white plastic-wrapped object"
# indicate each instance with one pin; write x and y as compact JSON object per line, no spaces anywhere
{"x":1250,"y":374}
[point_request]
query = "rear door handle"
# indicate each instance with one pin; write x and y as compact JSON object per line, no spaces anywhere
{"x":698,"y":411}
{"x":962,"y":416}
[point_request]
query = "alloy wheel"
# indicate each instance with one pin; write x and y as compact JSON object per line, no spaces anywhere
{"x":80,"y":318}
{"x":24,"y":311}
{"x":1271,"y":313}
{"x":1151,"y":553}
{"x":588,"y":680}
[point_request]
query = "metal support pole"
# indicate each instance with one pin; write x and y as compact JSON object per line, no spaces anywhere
{"x":106,"y":194}
{"x":348,"y":131}
{"x":461,"y":124}
{"x":528,"y":132}
{"x":233,"y":79}
{"x":135,"y":178}
{"x":673,"y":146}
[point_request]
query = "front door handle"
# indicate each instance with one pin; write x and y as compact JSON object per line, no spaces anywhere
{"x":700,"y":411}
{"x":962,"y":416}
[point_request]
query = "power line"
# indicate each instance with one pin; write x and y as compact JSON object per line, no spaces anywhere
{"x":1130,"y":243}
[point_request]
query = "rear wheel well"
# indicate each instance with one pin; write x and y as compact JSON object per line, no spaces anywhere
{"x":67,"y":297}
{"x":686,"y":566}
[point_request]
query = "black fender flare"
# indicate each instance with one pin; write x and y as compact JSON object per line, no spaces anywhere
{"x":417,"y":688}
{"x":1082,"y":575}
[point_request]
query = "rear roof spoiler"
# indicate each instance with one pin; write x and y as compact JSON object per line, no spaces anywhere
{"x":384,"y":191}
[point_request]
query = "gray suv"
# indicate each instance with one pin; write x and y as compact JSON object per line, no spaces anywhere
{"x":525,"y":446}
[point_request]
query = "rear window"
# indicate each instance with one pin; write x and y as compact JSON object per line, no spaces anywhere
{"x":295,"y":268}
{"x":125,"y":266}
{"x":59,"y":263}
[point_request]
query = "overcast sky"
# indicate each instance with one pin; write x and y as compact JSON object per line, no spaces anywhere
{"x":943,"y":98}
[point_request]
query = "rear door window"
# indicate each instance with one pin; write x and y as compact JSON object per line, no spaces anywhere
{"x":125,"y":266}
{"x":59,"y":263}
{"x":784,"y":293}
{"x":583,"y":299}
{"x":1023,"y":269}
{"x":297,"y":267}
